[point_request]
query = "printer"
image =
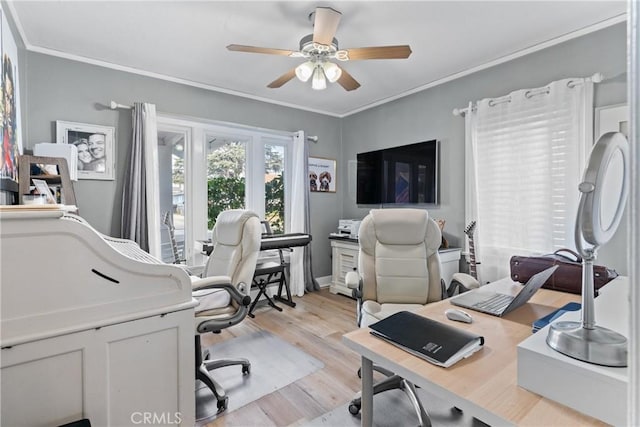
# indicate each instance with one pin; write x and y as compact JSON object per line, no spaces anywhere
{"x":349,"y":228}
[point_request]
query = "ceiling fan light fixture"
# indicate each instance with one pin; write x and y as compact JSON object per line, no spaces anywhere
{"x":319,"y":81}
{"x":304,"y":71}
{"x":331,"y":71}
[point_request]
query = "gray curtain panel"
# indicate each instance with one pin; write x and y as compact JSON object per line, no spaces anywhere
{"x":134,"y":195}
{"x":311,"y":284}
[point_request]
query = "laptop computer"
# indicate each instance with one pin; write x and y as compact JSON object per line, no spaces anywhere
{"x":499,"y":304}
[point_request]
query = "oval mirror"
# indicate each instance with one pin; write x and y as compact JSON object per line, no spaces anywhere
{"x":604,"y":189}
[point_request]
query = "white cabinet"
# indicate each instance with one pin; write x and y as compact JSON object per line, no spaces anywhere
{"x":112,"y":375}
{"x":345,"y":259}
{"x":92,"y":327}
{"x":344,"y":255}
{"x":449,"y":264}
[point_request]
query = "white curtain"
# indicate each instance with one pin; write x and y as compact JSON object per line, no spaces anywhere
{"x":528,"y":150}
{"x":298,"y":218}
{"x":140,"y":197}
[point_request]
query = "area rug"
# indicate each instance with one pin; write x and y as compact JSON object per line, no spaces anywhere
{"x":392,"y":408}
{"x":274,"y":364}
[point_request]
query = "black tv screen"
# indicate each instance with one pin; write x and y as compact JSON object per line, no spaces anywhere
{"x":399,"y":175}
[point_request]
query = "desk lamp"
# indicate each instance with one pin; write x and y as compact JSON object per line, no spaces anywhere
{"x":603,"y":196}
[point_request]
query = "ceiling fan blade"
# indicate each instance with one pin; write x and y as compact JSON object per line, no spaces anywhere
{"x":282,"y":79}
{"x":253,"y":49}
{"x":325,"y":24}
{"x":378,"y":52}
{"x":348,"y":82}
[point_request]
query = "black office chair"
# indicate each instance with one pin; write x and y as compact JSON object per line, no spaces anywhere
{"x":269,"y":273}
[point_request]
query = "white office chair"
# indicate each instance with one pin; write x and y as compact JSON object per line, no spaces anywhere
{"x":223,"y":292}
{"x":399,"y":269}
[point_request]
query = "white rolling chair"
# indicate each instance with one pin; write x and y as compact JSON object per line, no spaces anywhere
{"x":399,"y":269}
{"x":223,"y":292}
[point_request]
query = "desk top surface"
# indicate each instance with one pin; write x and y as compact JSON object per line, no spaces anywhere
{"x":485,"y":383}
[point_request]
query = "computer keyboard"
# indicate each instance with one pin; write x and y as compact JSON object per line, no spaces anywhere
{"x":495,"y":304}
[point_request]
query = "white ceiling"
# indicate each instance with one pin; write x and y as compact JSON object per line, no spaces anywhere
{"x":186,"y":41}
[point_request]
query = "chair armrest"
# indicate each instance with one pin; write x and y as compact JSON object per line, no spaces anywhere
{"x":352,"y":280}
{"x":466,"y":280}
{"x":463,"y":282}
{"x":222,"y":282}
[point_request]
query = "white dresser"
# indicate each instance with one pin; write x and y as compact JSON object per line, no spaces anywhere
{"x":344,"y":255}
{"x":92,"y":327}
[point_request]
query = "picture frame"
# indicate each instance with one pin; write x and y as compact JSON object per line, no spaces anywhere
{"x":322,"y":175}
{"x":43,"y":188}
{"x":96,"y":148}
{"x":11,"y":117}
{"x":612,"y":118}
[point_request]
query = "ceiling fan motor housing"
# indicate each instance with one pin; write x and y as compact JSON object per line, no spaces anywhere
{"x":309,"y":48}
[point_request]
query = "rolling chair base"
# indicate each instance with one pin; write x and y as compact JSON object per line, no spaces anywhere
{"x":202,"y":373}
{"x":396,"y":382}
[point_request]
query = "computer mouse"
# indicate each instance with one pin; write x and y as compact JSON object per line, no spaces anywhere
{"x":458,"y":315}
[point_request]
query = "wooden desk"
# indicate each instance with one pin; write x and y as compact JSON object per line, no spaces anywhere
{"x":485,"y":384}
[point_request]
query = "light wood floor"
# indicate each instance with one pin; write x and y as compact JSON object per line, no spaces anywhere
{"x":316,"y":326}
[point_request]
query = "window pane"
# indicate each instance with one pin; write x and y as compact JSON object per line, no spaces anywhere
{"x":226,"y":159}
{"x":172,"y":196}
{"x":274,"y":166}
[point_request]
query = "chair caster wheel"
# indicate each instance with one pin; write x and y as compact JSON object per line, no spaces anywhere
{"x":354,"y":409}
{"x":222,"y":404}
{"x":246,"y":370}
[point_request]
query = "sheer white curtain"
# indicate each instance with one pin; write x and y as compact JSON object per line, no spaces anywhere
{"x":141,"y":194}
{"x":528,"y":150}
{"x":298,"y":219}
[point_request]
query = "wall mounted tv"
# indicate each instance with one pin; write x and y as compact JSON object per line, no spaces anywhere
{"x":399,"y":175}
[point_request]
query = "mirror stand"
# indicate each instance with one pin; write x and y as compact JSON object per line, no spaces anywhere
{"x":586,"y":341}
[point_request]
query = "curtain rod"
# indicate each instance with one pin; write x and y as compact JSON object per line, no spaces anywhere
{"x":595,"y":78}
{"x":114,"y":106}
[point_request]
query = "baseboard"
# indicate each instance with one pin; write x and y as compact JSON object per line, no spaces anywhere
{"x":324,"y":281}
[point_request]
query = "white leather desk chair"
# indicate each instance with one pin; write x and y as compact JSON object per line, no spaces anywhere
{"x":223,"y":292}
{"x":399,"y":269}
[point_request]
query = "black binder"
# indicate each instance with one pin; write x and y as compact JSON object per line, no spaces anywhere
{"x":436,"y":342}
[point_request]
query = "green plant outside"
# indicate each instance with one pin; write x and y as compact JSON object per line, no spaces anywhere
{"x":229,"y":193}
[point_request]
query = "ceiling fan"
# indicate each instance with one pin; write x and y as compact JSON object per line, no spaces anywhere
{"x":319,"y":48}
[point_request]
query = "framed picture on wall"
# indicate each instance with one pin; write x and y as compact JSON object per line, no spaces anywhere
{"x":96,"y":148}
{"x":322,"y":175}
{"x":10,"y":119}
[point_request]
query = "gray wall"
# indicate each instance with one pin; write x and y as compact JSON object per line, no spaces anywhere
{"x":428,"y":115}
{"x":60,"y":89}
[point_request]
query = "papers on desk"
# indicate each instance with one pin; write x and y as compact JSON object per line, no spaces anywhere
{"x":433,"y":341}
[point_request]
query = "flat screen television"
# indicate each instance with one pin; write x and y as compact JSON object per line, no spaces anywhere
{"x":399,"y":175}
